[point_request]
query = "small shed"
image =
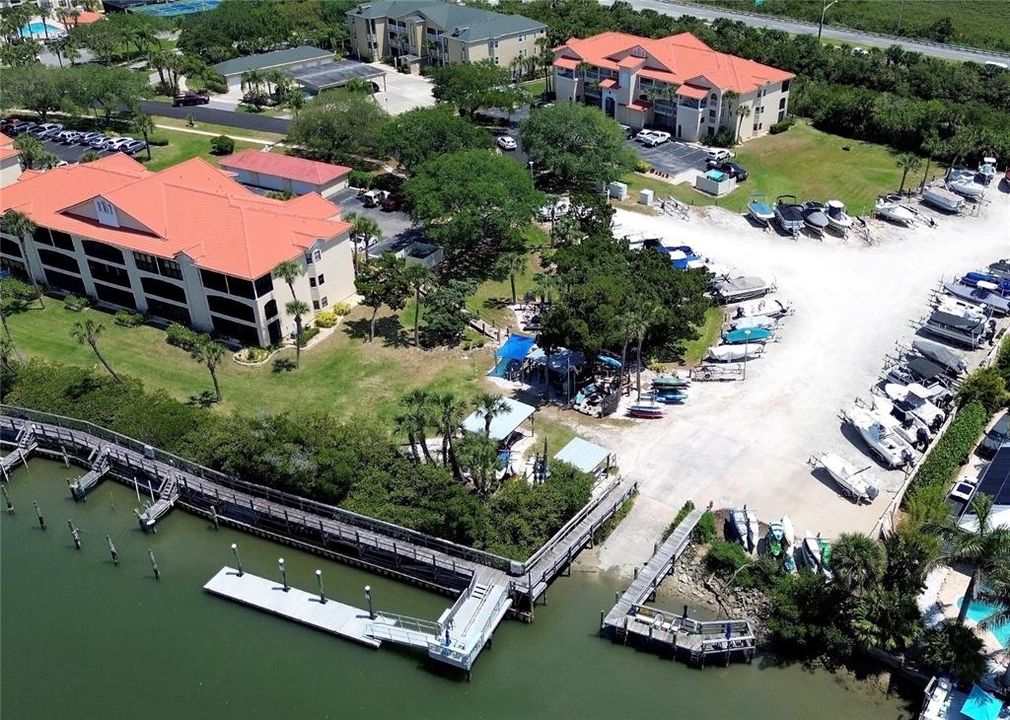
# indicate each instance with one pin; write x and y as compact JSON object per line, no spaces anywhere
{"x":584,"y":455}
{"x":286,"y":173}
{"x":501,"y":425}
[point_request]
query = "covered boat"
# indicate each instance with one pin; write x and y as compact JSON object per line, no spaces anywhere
{"x":965,"y":186}
{"x":759,"y":209}
{"x":983,"y":293}
{"x":811,"y":552}
{"x":670,"y":382}
{"x":815,"y":217}
{"x":838,"y":219}
{"x":960,"y":331}
{"x":739,"y":288}
{"x":753,"y":530}
{"x":943,"y":199}
{"x":646,"y":409}
{"x":754,"y":321}
{"x":789,"y":213}
{"x":952,"y":360}
{"x":747,"y":335}
{"x":891,"y":207}
{"x":734,"y":353}
{"x":738,"y":521}
{"x":855,"y":484}
{"x":1002,"y":285}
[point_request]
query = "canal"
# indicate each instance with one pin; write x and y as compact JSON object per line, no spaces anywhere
{"x":83,"y":638}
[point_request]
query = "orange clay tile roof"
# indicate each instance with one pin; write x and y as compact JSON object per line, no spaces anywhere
{"x":566,"y":63}
{"x":285,"y":166}
{"x":8,"y":151}
{"x":190,"y":208}
{"x":630,"y":62}
{"x":639,"y":106}
{"x":85,"y":17}
{"x":675,"y":59}
{"x":4,"y":140}
{"x":608,"y":83}
{"x":690,"y":91}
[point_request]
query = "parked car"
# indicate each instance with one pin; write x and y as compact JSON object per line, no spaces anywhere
{"x":731,"y":169}
{"x":374,"y":198}
{"x":65,"y":137}
{"x":655,"y":138}
{"x":118,"y":143}
{"x":507,"y":142}
{"x":394,"y":201}
{"x":85,"y":138}
{"x":133,"y":147}
{"x":44,"y":130}
{"x":190,"y":98}
{"x":628,"y":130}
{"x":642,"y":134}
{"x":717,"y":155}
{"x":21,"y":127}
{"x":99,"y":142}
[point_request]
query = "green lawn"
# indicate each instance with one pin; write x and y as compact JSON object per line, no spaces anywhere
{"x":694,"y":350}
{"x":183,"y":146}
{"x":343,"y":375}
{"x":805,"y":162}
{"x":219,"y":129}
{"x":536,"y":88}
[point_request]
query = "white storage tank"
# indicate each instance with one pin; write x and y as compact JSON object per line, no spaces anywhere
{"x":645,"y":197}
{"x":618,"y":190}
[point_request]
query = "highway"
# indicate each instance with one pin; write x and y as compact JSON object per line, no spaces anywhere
{"x":852,"y":37}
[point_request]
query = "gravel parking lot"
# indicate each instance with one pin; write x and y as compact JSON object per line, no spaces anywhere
{"x":750,"y":442}
{"x":672,"y":157}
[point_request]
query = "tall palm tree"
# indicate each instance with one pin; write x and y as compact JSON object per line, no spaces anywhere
{"x":742,"y":111}
{"x":729,"y":98}
{"x":417,"y":415}
{"x":417,"y":276}
{"x":366,"y":229}
{"x":986,"y":549}
{"x":514,"y":263}
{"x":288,"y":271}
{"x":252,"y":80}
{"x":209,"y":354}
{"x":627,"y":324}
{"x":448,"y":409}
{"x":159,"y":61}
{"x":857,"y":561}
{"x":143,"y":124}
{"x":403,"y":423}
{"x":298,"y":309}
{"x":21,"y":226}
{"x":641,"y":319}
{"x":907,"y":162}
{"x":86,"y":332}
{"x":932,"y":146}
{"x":582,"y":69}
{"x":491,"y":405}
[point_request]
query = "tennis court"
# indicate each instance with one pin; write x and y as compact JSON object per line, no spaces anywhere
{"x":176,"y":7}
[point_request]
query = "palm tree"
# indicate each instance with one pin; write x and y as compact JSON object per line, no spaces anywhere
{"x":986,"y":549}
{"x":514,"y":263}
{"x":742,"y":111}
{"x":417,"y":416}
{"x":90,"y":156}
{"x":252,"y":80}
{"x":159,"y":61}
{"x":857,"y":561}
{"x":86,"y":332}
{"x":932,"y":146}
{"x":143,"y":124}
{"x":907,"y":162}
{"x":403,"y":423}
{"x":729,"y":98}
{"x":298,"y":309}
{"x":21,"y":226}
{"x":627,"y":322}
{"x":417,"y":276}
{"x":641,"y":319}
{"x":582,"y":69}
{"x":209,"y":354}
{"x":491,"y":405}
{"x":448,"y":409}
{"x":365,"y":229}
{"x":288,"y":271}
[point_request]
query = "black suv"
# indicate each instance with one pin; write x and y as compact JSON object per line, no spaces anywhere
{"x":731,"y":169}
{"x":190,"y":98}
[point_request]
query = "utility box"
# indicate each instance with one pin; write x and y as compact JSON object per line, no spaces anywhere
{"x":618,"y":190}
{"x":645,"y":197}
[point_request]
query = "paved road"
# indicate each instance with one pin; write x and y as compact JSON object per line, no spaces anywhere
{"x":246,"y":121}
{"x":852,"y":37}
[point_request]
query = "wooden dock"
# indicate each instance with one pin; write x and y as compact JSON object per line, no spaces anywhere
{"x":99,"y":467}
{"x":344,"y":621}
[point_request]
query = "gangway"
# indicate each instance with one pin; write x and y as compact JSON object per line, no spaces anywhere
{"x":25,"y":445}
{"x":166,"y":501}
{"x":80,"y":488}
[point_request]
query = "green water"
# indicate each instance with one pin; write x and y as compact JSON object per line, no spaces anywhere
{"x":82,"y":638}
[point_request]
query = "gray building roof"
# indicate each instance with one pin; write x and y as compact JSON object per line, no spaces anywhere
{"x":474,"y":24}
{"x":277,"y":58}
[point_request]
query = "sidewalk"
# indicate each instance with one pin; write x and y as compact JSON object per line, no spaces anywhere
{"x":259,"y":141}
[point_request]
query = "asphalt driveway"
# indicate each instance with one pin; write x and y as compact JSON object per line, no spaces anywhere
{"x":672,"y":157}
{"x":72,"y":153}
{"x":397,"y":229}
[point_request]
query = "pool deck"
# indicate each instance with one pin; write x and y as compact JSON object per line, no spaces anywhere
{"x":954,"y":585}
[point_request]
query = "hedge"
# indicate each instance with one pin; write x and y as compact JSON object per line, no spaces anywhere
{"x":951,"y":451}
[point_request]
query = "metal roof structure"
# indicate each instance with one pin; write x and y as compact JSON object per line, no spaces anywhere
{"x":583,"y":455}
{"x":501,"y":425}
{"x":334,"y":74}
{"x":468,"y":24}
{"x":995,"y":482}
{"x":275,"y":59}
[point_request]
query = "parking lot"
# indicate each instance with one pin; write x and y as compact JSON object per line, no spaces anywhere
{"x":397,"y":229}
{"x":672,"y":157}
{"x":72,"y":153}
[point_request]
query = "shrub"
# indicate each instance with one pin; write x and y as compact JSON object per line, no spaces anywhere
{"x":642,"y":167}
{"x":782,"y":125}
{"x":341,"y":309}
{"x":763,"y":574}
{"x":128,"y":319}
{"x":724,"y":138}
{"x":75,"y":303}
{"x":307,"y":334}
{"x":985,"y":386}
{"x":326,"y":319}
{"x":1002,"y":361}
{"x":181,"y":336}
{"x":955,"y":649}
{"x":157,"y":140}
{"x":222,"y":145}
{"x":724,"y":558}
{"x":360,"y":179}
{"x":280,"y":195}
{"x":681,"y":514}
{"x":952,"y":449}
{"x":387,"y":181}
{"x":704,"y":531}
{"x":214,"y":81}
{"x":16,"y":289}
{"x":254,"y":354}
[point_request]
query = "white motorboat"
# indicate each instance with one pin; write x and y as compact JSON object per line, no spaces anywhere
{"x":735,"y":353}
{"x":811,"y":548}
{"x":961,"y":308}
{"x":965,"y":187}
{"x":838,"y":219}
{"x":736,"y":289}
{"x":856,"y":484}
{"x":987,"y":170}
{"x":754,"y":321}
{"x":738,"y":519}
{"x":891,"y":208}
{"x":760,"y":210}
{"x":915,"y":400}
{"x":770,"y":307}
{"x":884,"y":443}
{"x":752,"y":530}
{"x":906,"y":426}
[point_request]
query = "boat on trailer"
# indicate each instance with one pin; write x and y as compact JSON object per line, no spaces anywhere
{"x":747,"y":335}
{"x":943,"y":199}
{"x":891,"y":207}
{"x":972,"y":279}
{"x":987,"y":170}
{"x":743,"y":287}
{"x":759,"y":209}
{"x":789,"y":214}
{"x":983,"y":293}
{"x":754,"y":321}
{"x":939,"y":353}
{"x":892,"y":450}
{"x":815,"y":217}
{"x":961,"y":331}
{"x":855,"y":484}
{"x":962,"y":308}
{"x":838,"y":220}
{"x":769,"y":307}
{"x":734,"y":353}
{"x":964,"y":185}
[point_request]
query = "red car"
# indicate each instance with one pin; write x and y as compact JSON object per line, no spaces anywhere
{"x":190,"y":98}
{"x":393,"y":202}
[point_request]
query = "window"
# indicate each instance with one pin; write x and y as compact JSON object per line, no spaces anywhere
{"x":315,"y":304}
{"x":214,"y":281}
{"x":115,"y":296}
{"x":62,"y":240}
{"x":782,"y":115}
{"x":324,"y":302}
{"x":321,"y":278}
{"x":782,"y":104}
{"x":169,"y":268}
{"x":59,"y":260}
{"x":41,"y":236}
{"x":147,"y":263}
{"x":713,"y":97}
{"x":9,"y":247}
{"x":245,"y":334}
{"x":109,"y":273}
{"x":161,"y":288}
{"x":264,"y":285}
{"x":66,"y":282}
{"x":102,"y":251}
{"x":231,"y":308}
{"x":270,"y":309}
{"x":308,"y":259}
{"x":168,"y":310}
{"x":785,"y":86}
{"x":312,"y":282}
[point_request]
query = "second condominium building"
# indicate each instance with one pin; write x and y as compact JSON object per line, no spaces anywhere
{"x":186,"y":244}
{"x":422,"y":32}
{"x":676,"y":83}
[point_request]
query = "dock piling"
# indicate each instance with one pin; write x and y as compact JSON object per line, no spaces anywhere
{"x":368,"y":596}
{"x":319,"y":580}
{"x":74,"y":534}
{"x":112,"y":550}
{"x":284,"y":573}
{"x":38,"y":514}
{"x":238,"y":560}
{"x":213,"y":514}
{"x":154,"y":564}
{"x":7,"y":500}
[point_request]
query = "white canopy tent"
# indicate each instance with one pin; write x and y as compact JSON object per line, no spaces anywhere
{"x":501,"y":425}
{"x":583,"y":455}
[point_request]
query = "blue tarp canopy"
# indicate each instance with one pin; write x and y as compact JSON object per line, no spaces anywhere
{"x":980,"y":705}
{"x":501,"y":425}
{"x":583,"y":454}
{"x":517,"y":347}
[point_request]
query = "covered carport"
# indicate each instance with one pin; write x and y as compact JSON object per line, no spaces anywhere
{"x":335,"y":74}
{"x":585,"y":456}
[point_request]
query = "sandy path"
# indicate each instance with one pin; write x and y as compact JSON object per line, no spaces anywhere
{"x":749,"y":442}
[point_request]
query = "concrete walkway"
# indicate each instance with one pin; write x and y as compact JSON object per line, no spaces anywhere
{"x":194,"y":131}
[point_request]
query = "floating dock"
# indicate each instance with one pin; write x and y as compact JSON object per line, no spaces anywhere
{"x":296,"y":605}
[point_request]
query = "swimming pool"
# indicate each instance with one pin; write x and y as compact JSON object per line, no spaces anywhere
{"x":37,"y":29}
{"x":979,"y":611}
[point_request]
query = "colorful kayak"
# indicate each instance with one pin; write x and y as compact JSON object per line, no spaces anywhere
{"x":664,"y":382}
{"x":748,"y":335}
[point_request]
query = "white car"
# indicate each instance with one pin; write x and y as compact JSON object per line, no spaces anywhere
{"x":643,"y":134}
{"x":558,"y":209}
{"x":656,"y":137}
{"x":506,"y":142}
{"x":717,"y":155}
{"x":118,"y":143}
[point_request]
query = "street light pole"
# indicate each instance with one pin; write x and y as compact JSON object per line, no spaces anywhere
{"x":825,"y":6}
